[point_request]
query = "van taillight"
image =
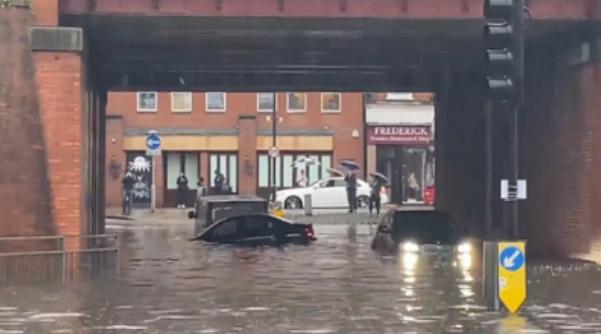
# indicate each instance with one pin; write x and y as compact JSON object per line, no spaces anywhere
{"x":309,"y":232}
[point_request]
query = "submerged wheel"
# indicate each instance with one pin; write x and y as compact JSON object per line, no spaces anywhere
{"x":292,"y":203}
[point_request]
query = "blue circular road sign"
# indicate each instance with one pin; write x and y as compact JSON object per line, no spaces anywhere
{"x":153,"y":141}
{"x":512,"y":259}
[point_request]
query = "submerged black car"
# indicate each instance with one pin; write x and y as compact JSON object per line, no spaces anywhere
{"x":257,"y":229}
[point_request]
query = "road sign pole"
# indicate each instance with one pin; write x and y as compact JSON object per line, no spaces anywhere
{"x":274,"y":144}
{"x":490,"y":275}
{"x":153,"y":191}
{"x":153,"y":148}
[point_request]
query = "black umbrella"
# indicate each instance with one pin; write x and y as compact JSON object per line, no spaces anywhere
{"x":350,"y":165}
{"x":381,"y":177}
{"x":335,"y":172}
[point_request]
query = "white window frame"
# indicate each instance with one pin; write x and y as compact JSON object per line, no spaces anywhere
{"x":173,"y":109}
{"x":292,"y":111}
{"x":214,"y":109}
{"x":156,"y":102}
{"x":266,"y":110}
{"x":331,"y":111}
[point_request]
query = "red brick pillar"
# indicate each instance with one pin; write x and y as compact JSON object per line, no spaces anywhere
{"x":59,"y":81}
{"x":25,"y":202}
{"x":204,"y":167}
{"x":247,"y":154}
{"x":59,"y":76}
{"x":115,"y":160}
{"x":45,"y":12}
{"x":159,"y":169}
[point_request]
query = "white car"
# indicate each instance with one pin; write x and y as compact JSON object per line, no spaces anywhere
{"x":327,"y":193}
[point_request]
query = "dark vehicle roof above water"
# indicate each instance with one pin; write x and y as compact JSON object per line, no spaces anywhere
{"x":232,"y":199}
{"x":424,"y":225}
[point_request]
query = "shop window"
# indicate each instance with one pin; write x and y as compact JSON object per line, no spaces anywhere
{"x":215,"y":102}
{"x":147,"y":101}
{"x":227,"y":165}
{"x":287,"y":173}
{"x":177,"y":163}
{"x":263,"y":171}
{"x":265,"y":102}
{"x":181,"y":102}
{"x":297,"y":102}
{"x":330,"y":102}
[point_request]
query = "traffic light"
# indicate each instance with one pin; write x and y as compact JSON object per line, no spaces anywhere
{"x":503,"y":37}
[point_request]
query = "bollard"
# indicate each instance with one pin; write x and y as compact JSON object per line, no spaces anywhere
{"x":308,"y":205}
{"x":490,"y":273}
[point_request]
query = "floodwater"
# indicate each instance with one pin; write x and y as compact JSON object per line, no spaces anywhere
{"x":168,"y":284}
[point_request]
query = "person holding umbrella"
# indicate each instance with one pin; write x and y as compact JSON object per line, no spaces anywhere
{"x":379,"y":180}
{"x":351,"y":184}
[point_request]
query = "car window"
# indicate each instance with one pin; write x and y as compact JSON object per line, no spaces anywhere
{"x":339,"y":183}
{"x":426,"y":227}
{"x":255,"y":226}
{"x":226,"y":230}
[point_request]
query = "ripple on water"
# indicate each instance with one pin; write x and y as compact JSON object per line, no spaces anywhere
{"x":336,"y":285}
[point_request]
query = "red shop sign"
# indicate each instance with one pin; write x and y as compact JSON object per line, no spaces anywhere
{"x":404,"y":134}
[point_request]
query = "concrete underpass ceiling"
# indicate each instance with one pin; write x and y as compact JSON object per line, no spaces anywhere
{"x":263,"y":54}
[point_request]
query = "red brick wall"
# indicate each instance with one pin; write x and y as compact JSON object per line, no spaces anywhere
{"x":247,"y":155}
{"x":45,"y":12}
{"x":59,"y":81}
{"x":342,"y":124}
{"x":24,"y":187}
{"x":561,"y":158}
{"x":115,"y":157}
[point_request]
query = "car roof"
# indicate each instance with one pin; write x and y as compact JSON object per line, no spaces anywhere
{"x":232,"y":199}
{"x":284,"y":220}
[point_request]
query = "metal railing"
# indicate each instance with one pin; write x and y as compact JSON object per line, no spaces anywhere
{"x":46,"y":259}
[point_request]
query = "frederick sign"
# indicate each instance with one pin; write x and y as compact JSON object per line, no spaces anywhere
{"x":404,"y":134}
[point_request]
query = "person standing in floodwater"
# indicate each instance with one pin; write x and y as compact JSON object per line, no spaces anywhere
{"x":374,"y":196}
{"x":182,"y":190}
{"x":351,"y":190}
{"x":128,"y":188}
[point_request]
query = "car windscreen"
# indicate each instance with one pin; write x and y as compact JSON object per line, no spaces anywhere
{"x":424,"y":228}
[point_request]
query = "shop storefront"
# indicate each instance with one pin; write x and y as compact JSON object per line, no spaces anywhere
{"x":175,"y":164}
{"x":287,"y":174}
{"x":140,"y":166}
{"x":405,"y":153}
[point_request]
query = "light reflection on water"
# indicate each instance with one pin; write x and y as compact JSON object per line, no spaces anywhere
{"x":337,"y":285}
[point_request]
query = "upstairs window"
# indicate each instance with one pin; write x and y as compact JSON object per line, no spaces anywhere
{"x":181,"y":102}
{"x":297,"y":102}
{"x":147,"y":101}
{"x":330,"y":102}
{"x":215,"y":102}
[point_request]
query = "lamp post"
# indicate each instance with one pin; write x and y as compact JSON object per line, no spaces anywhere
{"x":273,"y":145}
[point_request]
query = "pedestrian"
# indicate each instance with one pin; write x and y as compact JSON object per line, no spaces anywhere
{"x":218,"y":181}
{"x":301,"y":180}
{"x":225,"y":187}
{"x":351,"y":190}
{"x":374,"y":196}
{"x":413,"y":186}
{"x":201,"y":190}
{"x":182,"y":190}
{"x":128,"y":187}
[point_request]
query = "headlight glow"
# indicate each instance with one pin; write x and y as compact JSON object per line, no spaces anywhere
{"x":464,"y":248}
{"x":410,"y":247}
{"x":409,"y":262}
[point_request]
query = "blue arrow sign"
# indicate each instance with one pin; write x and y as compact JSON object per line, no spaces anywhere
{"x":511,"y":258}
{"x":153,"y":141}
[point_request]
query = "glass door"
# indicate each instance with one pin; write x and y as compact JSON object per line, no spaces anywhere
{"x":414,"y":175}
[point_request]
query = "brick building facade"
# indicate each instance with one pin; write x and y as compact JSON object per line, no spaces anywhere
{"x":230,"y":132}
